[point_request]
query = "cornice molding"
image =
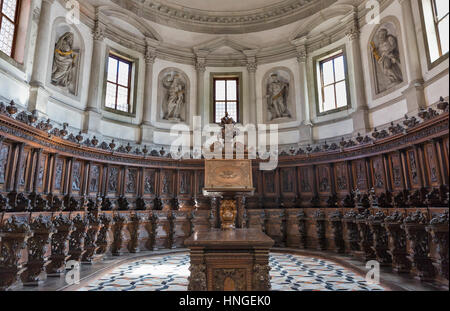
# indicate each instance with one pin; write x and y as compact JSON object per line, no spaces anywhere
{"x":278,"y":52}
{"x":225,"y":22}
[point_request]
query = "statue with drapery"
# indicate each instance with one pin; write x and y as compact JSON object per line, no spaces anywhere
{"x":63,"y":61}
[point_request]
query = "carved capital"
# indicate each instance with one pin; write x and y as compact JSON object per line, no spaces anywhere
{"x":200,"y":65}
{"x":302,"y":53}
{"x":150,"y":54}
{"x":352,"y":33}
{"x":252,"y":66}
{"x":99,"y":31}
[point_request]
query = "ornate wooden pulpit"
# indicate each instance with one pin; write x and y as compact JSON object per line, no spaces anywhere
{"x":229,"y":259}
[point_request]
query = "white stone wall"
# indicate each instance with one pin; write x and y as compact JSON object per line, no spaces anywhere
{"x":62,"y":107}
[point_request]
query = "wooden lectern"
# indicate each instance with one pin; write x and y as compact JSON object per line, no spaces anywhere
{"x":228,"y":180}
{"x":229,"y":259}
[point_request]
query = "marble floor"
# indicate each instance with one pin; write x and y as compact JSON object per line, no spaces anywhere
{"x":288,"y":273}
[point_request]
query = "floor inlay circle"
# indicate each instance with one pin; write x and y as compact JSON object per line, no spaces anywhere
{"x":288,"y":273}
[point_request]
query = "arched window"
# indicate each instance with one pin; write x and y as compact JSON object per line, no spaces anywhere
{"x":9,"y":17}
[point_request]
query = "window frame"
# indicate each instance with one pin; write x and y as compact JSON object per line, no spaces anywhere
{"x":442,"y":57}
{"x":226,"y":101}
{"x":15,"y":23}
{"x":117,"y":84}
{"x":318,"y":74}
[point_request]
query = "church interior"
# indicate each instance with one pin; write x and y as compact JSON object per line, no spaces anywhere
{"x":206,"y":145}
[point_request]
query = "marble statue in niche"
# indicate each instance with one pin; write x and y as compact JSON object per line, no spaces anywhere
{"x":175,"y":98}
{"x":277,"y":95}
{"x":148,"y":184}
{"x":386,"y":58}
{"x":65,"y":62}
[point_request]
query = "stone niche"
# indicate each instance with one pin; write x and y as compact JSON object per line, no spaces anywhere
{"x":66,"y":59}
{"x":278,"y":96}
{"x":173,"y":96}
{"x":386,"y":58}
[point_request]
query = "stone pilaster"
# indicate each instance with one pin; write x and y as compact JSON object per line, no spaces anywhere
{"x":305,"y":127}
{"x":38,"y":94}
{"x":251,"y":68}
{"x":415,"y":96}
{"x":200,"y":67}
{"x":360,"y":116}
{"x":146,"y":126}
{"x":93,"y":109}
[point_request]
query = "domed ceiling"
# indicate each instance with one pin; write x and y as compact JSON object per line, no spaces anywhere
{"x":223,"y":6}
{"x":224,"y":16}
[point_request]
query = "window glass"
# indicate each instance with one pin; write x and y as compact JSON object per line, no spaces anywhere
{"x":333,"y":85}
{"x":8,"y":25}
{"x":226,"y":98}
{"x":118,"y":84}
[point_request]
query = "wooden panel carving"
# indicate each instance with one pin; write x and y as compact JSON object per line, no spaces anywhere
{"x":288,"y":184}
{"x":360,"y":175}
{"x":378,"y":174}
{"x":413,"y":169}
{"x":25,"y":165}
{"x":432,"y":165}
{"x":59,"y":173}
{"x":228,"y":174}
{"x":149,"y":182}
{"x":184,"y":182}
{"x":4,"y":156}
{"x":269,"y":182}
{"x":94,"y":181}
{"x":306,"y":180}
{"x":113,"y":179}
{"x":76,"y":176}
{"x":341,"y":178}
{"x":131,"y":181}
{"x":323,"y":179}
{"x":41,"y":174}
{"x":166,"y":183}
{"x":396,"y":172}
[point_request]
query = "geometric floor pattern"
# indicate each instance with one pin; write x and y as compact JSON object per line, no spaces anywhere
{"x":288,"y":273}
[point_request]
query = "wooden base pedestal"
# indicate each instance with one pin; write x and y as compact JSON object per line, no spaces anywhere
{"x":230,"y":260}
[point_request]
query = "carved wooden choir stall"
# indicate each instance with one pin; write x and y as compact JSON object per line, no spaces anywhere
{"x":68,"y":196}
